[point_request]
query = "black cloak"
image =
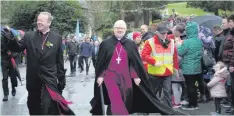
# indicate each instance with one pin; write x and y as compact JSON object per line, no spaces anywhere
{"x":144,"y":100}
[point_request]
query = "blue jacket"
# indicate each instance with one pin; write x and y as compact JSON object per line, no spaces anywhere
{"x":86,"y":49}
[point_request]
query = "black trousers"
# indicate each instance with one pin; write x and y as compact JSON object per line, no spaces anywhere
{"x":94,"y":61}
{"x":207,"y":91}
{"x":72,"y":59}
{"x":191,"y":88}
{"x":201,"y":84}
{"x":8,"y":71}
{"x":35,"y":102}
{"x":81,"y":63}
{"x":218,"y":105}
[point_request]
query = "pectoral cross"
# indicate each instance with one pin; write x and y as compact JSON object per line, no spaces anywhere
{"x":118,"y":60}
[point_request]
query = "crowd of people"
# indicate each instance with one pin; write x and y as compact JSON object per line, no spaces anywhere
{"x":163,"y":68}
{"x":191,"y":63}
{"x":84,"y":50}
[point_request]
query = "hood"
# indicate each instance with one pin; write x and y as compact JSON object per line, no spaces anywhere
{"x":224,"y":73}
{"x":191,"y":30}
{"x":221,"y":69}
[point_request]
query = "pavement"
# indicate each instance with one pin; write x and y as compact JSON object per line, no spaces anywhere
{"x":79,"y":90}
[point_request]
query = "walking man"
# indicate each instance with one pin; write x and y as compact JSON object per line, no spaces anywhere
{"x":45,"y":75}
{"x":120,"y":72}
{"x":161,"y":55}
{"x":72,"y":50}
{"x":85,"y":54}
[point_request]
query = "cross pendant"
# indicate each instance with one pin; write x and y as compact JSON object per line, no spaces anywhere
{"x":118,"y":60}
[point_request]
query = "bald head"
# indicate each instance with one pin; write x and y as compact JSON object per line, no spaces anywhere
{"x":120,"y":23}
{"x":120,"y":28}
{"x":144,"y":29}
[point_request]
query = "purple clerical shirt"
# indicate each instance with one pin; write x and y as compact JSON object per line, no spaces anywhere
{"x":118,"y":81}
{"x":122,"y":67}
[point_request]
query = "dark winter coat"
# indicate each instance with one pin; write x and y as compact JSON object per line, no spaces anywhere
{"x":228,"y":51}
{"x":144,"y":98}
{"x":147,"y":36}
{"x":86,"y":49}
{"x":44,"y":66}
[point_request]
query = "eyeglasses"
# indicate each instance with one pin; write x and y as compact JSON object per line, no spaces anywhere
{"x":120,"y":28}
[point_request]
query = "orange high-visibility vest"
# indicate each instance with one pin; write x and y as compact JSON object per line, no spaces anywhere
{"x":163,"y":55}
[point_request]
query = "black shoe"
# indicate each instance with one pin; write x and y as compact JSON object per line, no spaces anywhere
{"x":13,"y":92}
{"x":189,"y":107}
{"x":5,"y":98}
{"x":81,"y":70}
{"x":202,"y":99}
{"x":229,"y":110}
{"x":87,"y":73}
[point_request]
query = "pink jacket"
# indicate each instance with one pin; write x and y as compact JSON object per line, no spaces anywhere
{"x":217,"y":83}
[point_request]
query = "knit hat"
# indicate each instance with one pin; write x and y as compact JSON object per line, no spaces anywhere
{"x":135,"y":35}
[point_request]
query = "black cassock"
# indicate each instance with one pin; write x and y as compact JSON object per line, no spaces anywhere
{"x":45,"y":68}
{"x":144,"y":99}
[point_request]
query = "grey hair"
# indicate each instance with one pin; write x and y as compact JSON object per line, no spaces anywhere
{"x":50,"y":17}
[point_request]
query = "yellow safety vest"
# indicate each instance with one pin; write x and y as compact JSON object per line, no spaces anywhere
{"x":163,"y":55}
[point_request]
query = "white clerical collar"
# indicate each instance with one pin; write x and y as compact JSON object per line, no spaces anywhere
{"x":119,"y":39}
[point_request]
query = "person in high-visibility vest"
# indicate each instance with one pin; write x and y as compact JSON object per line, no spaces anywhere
{"x":161,"y":55}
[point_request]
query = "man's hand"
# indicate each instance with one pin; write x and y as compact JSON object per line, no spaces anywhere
{"x":100,"y":80}
{"x":231,"y":69}
{"x":137,"y":81}
{"x":158,"y":64}
{"x":61,"y":85}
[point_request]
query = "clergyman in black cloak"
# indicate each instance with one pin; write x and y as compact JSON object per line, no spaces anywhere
{"x":140,"y":98}
{"x":45,"y":74}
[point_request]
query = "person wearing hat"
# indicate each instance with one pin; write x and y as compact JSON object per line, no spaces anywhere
{"x":161,"y":55}
{"x":137,"y":39}
{"x":140,"y":43}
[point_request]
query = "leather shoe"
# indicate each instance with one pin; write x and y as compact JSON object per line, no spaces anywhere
{"x":229,"y":110}
{"x":5,"y":98}
{"x":13,"y":92}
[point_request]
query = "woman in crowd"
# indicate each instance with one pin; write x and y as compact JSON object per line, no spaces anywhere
{"x":178,"y":83}
{"x":191,"y":52}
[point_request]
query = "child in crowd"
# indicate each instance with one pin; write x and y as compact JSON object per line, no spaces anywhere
{"x":217,"y":85}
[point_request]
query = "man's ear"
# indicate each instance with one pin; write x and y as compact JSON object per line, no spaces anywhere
{"x":49,"y":23}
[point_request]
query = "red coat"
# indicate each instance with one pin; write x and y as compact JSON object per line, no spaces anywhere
{"x":171,"y":36}
{"x":146,"y":55}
